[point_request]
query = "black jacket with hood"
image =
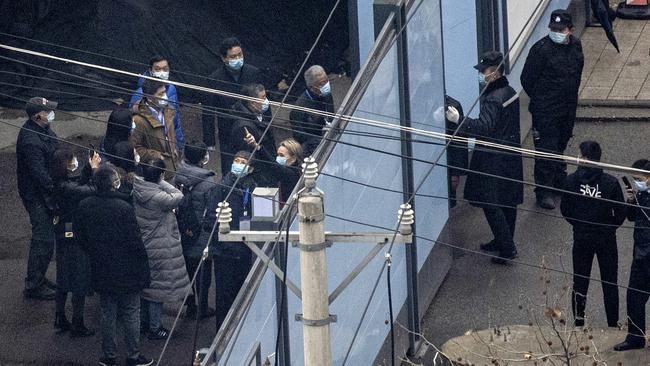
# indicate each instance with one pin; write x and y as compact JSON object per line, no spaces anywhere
{"x":641,"y":218}
{"x":590,"y":184}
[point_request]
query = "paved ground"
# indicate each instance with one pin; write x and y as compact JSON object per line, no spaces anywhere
{"x":480,"y":295}
{"x":613,"y":76}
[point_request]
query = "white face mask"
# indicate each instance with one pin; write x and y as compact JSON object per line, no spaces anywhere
{"x":133,"y":126}
{"x":161,"y":74}
{"x":50,"y":117}
{"x":136,"y":157}
{"x":206,"y":159}
{"x":163,"y":101}
{"x":74,"y":165}
{"x":117,"y":184}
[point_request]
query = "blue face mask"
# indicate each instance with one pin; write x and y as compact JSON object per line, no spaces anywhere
{"x":325,"y":90}
{"x":281,"y":160}
{"x":481,"y":79}
{"x":236,"y":64}
{"x":238,"y":169}
{"x":641,"y":186}
{"x":265,"y":105}
{"x":558,"y":37}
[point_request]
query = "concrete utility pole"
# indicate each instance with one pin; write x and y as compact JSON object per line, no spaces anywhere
{"x":312,"y":240}
{"x":313,"y":271}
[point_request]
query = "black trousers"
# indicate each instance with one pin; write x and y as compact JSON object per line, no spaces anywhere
{"x":585,"y":247}
{"x":41,"y":248}
{"x":202,"y":283}
{"x":554,"y":135}
{"x":229,"y":275}
{"x":636,"y":300}
{"x":502,"y":223}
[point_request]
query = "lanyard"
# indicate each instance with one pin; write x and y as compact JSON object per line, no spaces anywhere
{"x":247,"y":194}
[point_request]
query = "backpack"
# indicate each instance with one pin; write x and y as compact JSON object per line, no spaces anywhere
{"x":189,"y":224}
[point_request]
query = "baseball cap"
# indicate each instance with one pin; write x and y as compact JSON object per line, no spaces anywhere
{"x":38,"y":104}
{"x":560,"y":19}
{"x":490,"y":58}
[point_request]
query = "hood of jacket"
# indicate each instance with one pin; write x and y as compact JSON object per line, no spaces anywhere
{"x":144,"y":191}
{"x":588,"y":174}
{"x":190,"y":175}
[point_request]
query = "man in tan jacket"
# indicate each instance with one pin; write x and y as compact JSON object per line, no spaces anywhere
{"x":154,"y":136}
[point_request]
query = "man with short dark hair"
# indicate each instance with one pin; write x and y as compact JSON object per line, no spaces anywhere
{"x":639,"y":286}
{"x":588,"y":208}
{"x":108,"y":229}
{"x":551,"y":78}
{"x":159,"y":68}
{"x":35,"y":146}
{"x":229,"y":76}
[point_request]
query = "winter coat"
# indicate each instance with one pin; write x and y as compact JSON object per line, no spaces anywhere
{"x":256,"y":127}
{"x":551,"y":77}
{"x":152,"y":140}
{"x":226,"y":80}
{"x":34,"y":148}
{"x":108,"y":229}
{"x":457,"y":154}
{"x":172,"y":95}
{"x":283,"y":176}
{"x":72,"y":263}
{"x":154,"y":203}
{"x":306,"y":124}
{"x":641,"y":225}
{"x":498,"y":122}
{"x":236,"y":202}
{"x":199,"y":181}
{"x":591,"y":183}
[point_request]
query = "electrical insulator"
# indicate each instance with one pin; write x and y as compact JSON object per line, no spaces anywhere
{"x":224,"y":216}
{"x":310,"y":171}
{"x":407,"y":217}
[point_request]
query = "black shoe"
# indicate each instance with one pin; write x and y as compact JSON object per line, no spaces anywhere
{"x":41,"y":293}
{"x":61,"y":323}
{"x":546,"y":202}
{"x":625,"y":345}
{"x":158,"y":334}
{"x":140,"y":361}
{"x":579,"y":322}
{"x":79,"y":330}
{"x":106,"y":361}
{"x":490,"y":247}
{"x":505,"y":258}
{"x":209,"y":313}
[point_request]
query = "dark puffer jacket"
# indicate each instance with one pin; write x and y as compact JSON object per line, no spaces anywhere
{"x":34,"y":148}
{"x":641,"y":218}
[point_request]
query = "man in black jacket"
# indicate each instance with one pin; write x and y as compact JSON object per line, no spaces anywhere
{"x":230,"y":76}
{"x":551,"y":78}
{"x":109,"y":232}
{"x":497,"y":122}
{"x":35,"y":145}
{"x":594,"y":224}
{"x":308,"y":127}
{"x":639,"y":285}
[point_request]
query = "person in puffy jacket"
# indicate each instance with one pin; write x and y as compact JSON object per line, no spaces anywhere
{"x":594,"y":224}
{"x":72,"y":264}
{"x":154,"y":200}
{"x":195,"y":181}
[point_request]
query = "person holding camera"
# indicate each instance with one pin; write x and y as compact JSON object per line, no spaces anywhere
{"x":638,"y":290}
{"x":595,"y":218}
{"x":494,"y":181}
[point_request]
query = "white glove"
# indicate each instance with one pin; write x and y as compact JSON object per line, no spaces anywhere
{"x":452,"y":114}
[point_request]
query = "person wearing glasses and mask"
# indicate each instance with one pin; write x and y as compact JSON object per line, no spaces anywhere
{"x":154,"y":137}
{"x":34,"y":148}
{"x":551,"y":78}
{"x":318,"y":96}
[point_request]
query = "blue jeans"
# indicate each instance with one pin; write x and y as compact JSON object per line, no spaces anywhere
{"x":152,"y":314}
{"x":125,"y":309}
{"x":41,"y":247}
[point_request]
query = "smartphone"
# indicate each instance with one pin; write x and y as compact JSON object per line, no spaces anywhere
{"x":627,"y":183}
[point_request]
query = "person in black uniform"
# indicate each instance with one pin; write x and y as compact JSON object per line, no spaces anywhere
{"x":229,"y":77}
{"x":551,"y":78}
{"x":639,"y":286}
{"x":594,"y":224}
{"x":498,"y":122}
{"x":34,"y":148}
{"x":318,"y":96}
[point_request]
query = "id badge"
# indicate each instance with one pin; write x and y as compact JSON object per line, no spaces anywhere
{"x":244,"y":223}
